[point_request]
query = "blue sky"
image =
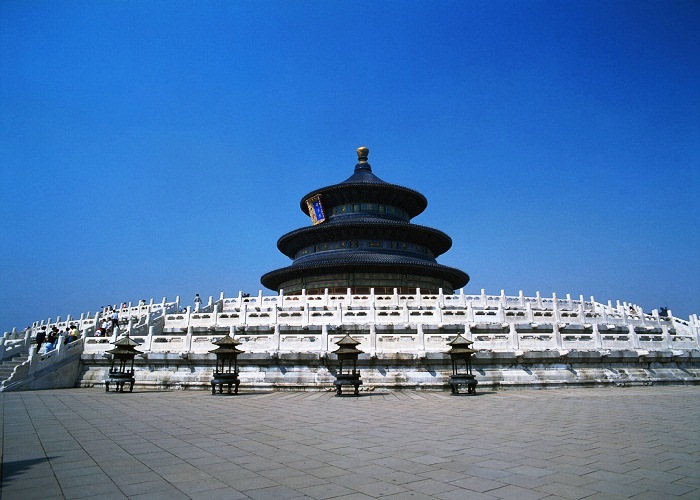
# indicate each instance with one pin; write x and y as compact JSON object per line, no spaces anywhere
{"x":152,"y":149}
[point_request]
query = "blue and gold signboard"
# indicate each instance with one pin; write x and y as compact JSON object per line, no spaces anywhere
{"x":316,"y":209}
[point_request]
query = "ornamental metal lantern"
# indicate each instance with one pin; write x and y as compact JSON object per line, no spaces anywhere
{"x":226,"y":372}
{"x":124,"y":351}
{"x":347,"y":353}
{"x":461,"y":352}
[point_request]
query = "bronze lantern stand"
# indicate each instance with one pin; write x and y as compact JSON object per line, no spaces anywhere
{"x":226,"y":371}
{"x":462,"y":352}
{"x":347,"y":352}
{"x":123,"y":352}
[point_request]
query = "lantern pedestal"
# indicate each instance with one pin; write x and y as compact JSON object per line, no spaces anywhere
{"x":352,"y":379}
{"x":120,"y":379}
{"x":469,"y":380}
{"x":225,"y":379}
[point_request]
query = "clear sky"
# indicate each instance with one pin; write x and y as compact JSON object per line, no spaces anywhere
{"x":152,"y":149}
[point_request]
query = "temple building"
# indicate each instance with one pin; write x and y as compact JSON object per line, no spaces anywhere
{"x":362,"y":238}
{"x":363,"y":271}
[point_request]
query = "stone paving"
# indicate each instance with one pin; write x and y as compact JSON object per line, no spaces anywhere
{"x":637,"y":442}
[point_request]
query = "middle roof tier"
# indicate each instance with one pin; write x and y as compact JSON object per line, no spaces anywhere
{"x":364,"y":228}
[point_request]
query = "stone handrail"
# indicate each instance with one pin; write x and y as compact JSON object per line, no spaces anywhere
{"x":88,"y":321}
{"x":41,"y":364}
{"x":14,"y":343}
{"x":396,"y":322}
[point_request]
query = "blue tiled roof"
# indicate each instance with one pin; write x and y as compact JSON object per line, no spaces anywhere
{"x":411,"y":250}
{"x":364,"y":262}
{"x":365,"y":187}
{"x":364,"y":228}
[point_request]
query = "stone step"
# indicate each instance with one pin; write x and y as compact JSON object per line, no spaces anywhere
{"x":17,"y":359}
{"x":9,"y":365}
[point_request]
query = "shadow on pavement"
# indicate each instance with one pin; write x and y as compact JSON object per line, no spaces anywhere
{"x":12,"y":469}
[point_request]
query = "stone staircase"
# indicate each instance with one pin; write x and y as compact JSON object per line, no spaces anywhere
{"x":8,"y":366}
{"x":56,"y":369}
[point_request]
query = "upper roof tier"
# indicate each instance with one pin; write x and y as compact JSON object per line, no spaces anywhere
{"x":365,"y":187}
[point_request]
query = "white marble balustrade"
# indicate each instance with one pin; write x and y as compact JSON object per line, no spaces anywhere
{"x":397,"y":323}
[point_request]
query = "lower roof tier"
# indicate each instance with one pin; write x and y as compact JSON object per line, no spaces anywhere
{"x":368,"y":263}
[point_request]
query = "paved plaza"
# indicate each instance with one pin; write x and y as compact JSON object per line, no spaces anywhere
{"x":637,"y":442}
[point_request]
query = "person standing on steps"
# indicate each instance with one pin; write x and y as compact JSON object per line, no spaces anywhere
{"x":197,"y":302}
{"x":40,"y":338}
{"x":115,"y":321}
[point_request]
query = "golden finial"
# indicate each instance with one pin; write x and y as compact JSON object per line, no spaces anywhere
{"x":362,"y":154}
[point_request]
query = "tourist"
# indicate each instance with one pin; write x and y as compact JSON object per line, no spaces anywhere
{"x":51,"y":340}
{"x":40,"y":338}
{"x":105,"y":326}
{"x":197,"y":302}
{"x":72,"y":334}
{"x":115,"y":321}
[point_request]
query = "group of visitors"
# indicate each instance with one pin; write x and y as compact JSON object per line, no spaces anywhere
{"x":110,"y":319}
{"x":109,"y":324}
{"x":50,"y":339}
